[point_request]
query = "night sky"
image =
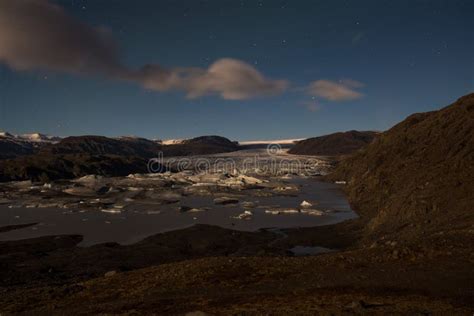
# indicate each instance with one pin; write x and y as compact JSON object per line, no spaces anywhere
{"x":241,"y":69}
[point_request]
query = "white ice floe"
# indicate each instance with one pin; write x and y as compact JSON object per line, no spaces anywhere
{"x":340,"y":182}
{"x":282,"y":211}
{"x":312,"y":212}
{"x":88,"y":179}
{"x":306,"y":204}
{"x":246,"y":215}
{"x":196,"y":210}
{"x":111,"y":210}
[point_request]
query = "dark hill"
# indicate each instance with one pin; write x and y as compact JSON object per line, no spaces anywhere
{"x":100,"y":145}
{"x":44,"y":167}
{"x":81,"y":155}
{"x":10,"y":148}
{"x":342,"y":143}
{"x":203,"y":145}
{"x":416,"y":181}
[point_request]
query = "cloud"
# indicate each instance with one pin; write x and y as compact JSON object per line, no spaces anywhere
{"x":230,"y":78}
{"x":343,"y":90}
{"x":37,"y":34}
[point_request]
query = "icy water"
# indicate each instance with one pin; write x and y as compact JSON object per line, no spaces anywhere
{"x":141,"y":221}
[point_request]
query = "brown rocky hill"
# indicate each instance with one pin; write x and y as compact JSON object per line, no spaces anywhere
{"x":416,"y":180}
{"x":336,"y":144}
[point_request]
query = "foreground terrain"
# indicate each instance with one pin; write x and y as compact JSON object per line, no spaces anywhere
{"x":409,"y":252}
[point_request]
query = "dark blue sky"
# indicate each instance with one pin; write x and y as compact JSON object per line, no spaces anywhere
{"x":411,"y":56}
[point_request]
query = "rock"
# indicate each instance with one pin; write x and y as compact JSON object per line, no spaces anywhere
{"x":110,"y":273}
{"x":395,"y":254}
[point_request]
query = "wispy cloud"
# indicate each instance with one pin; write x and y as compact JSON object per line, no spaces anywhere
{"x":230,"y":78}
{"x":37,"y":34}
{"x":343,"y":90}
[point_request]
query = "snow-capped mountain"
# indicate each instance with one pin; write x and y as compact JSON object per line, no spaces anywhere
{"x":171,"y":141}
{"x":33,"y":137}
{"x":12,"y":146}
{"x":38,"y":137}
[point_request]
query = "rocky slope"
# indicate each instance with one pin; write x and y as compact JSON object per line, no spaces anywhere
{"x":415,"y":182}
{"x":336,"y":144}
{"x":100,"y":145}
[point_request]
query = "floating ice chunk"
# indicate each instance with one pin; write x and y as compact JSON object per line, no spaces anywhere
{"x":272,"y":212}
{"x":282,"y":211}
{"x":111,"y":210}
{"x":246,"y":215}
{"x":88,"y":178}
{"x":312,"y":212}
{"x":195,"y":210}
{"x":306,"y":204}
{"x":340,"y":182}
{"x":248,"y":204}
{"x":249,"y":180}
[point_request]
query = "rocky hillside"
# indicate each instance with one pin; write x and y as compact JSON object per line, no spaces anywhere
{"x":416,"y":181}
{"x":336,"y":144}
{"x":100,"y":145}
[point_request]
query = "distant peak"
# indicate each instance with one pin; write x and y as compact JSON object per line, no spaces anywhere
{"x":6,"y":134}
